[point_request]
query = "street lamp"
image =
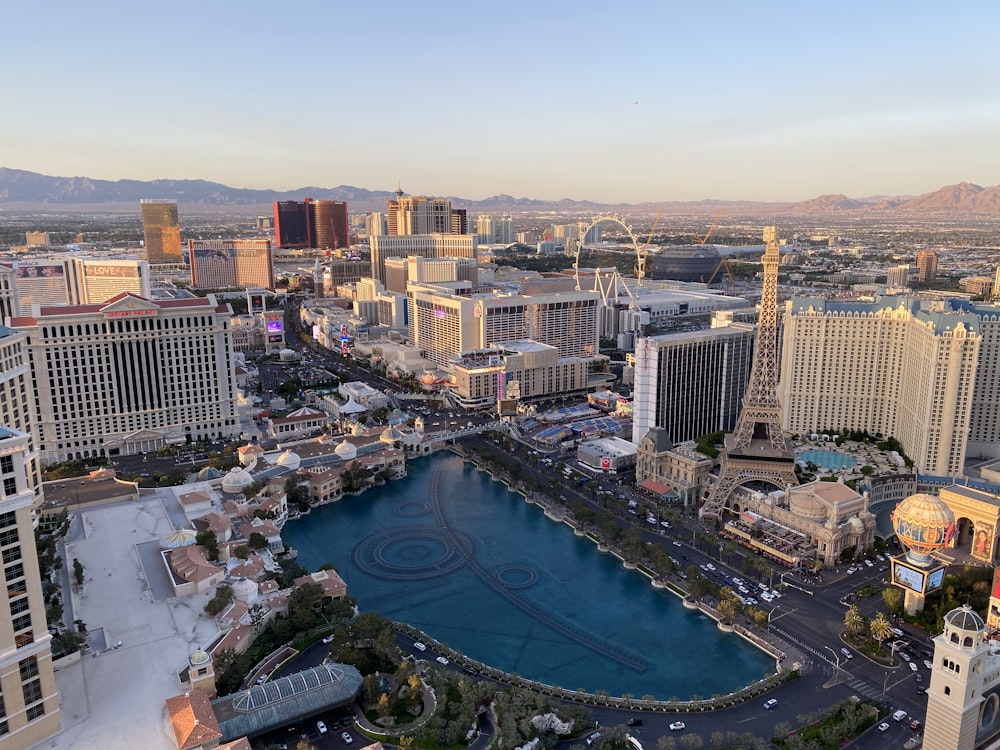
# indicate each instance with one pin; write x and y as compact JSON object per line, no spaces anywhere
{"x":885,"y":681}
{"x":836,"y":660}
{"x":773,"y":610}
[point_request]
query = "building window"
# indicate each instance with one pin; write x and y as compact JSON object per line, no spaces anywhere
{"x":32,"y":691}
{"x":35,"y":711}
{"x":28,"y":667}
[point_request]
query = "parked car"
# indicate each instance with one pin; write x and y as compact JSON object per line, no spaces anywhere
{"x":346,"y":737}
{"x":321,"y":727}
{"x":883,"y":727}
{"x":677,"y":726}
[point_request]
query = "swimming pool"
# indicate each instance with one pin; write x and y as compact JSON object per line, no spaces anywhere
{"x":827,"y":459}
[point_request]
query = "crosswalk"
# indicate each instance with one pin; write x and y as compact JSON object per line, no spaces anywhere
{"x":865,"y":690}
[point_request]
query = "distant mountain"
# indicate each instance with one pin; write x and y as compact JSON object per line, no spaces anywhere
{"x":20,"y":189}
{"x":826,"y":204}
{"x":961,"y":198}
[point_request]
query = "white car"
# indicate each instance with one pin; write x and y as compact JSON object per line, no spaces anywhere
{"x":419,"y":646}
{"x":321,"y":727}
{"x":328,"y":639}
{"x":677,"y":544}
{"x":677,"y":726}
{"x":346,"y":737}
{"x":442,"y":660}
{"x":883,"y":727}
{"x":769,"y":704}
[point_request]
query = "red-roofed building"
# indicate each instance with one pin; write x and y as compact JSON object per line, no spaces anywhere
{"x":193,"y":721}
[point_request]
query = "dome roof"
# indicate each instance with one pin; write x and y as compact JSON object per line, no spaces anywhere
{"x":178,"y":538}
{"x":808,"y":505}
{"x":856,"y":523}
{"x":200,"y":657}
{"x":243,"y":588}
{"x":209,"y":473}
{"x":965,"y":618}
{"x":346,"y":450}
{"x":237,"y":479}
{"x":390,"y":435}
{"x":289,"y":460}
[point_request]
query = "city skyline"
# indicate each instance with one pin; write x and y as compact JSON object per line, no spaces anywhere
{"x":646,"y":103}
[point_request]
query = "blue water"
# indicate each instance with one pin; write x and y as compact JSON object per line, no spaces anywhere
{"x":828,"y":459}
{"x":457,"y":555}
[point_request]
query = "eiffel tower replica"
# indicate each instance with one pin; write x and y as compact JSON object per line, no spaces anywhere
{"x":755,"y":450}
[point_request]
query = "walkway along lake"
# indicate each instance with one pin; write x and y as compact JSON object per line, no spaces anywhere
{"x":456,"y":554}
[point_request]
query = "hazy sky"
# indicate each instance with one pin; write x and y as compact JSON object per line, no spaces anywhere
{"x":735,"y":100}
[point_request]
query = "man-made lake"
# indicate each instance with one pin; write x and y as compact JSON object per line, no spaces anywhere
{"x":452,"y":552}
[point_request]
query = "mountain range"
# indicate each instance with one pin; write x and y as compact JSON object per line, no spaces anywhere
{"x":23,"y":190}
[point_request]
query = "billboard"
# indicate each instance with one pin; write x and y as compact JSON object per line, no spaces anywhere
{"x":38,"y":270}
{"x":918,"y":580}
{"x":256,"y":302}
{"x":111,"y":270}
{"x":274,"y":326}
{"x":344,"y":340}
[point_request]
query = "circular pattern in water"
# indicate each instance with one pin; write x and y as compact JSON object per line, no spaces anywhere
{"x":516,"y":576}
{"x":413,"y":553}
{"x":412,"y":509}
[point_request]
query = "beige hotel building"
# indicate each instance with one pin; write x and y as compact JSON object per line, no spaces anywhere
{"x":884,"y":367}
{"x":130,"y":375}
{"x":447,"y":319}
{"x":29,"y":703}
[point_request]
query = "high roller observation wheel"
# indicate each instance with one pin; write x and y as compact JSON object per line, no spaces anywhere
{"x":640,"y":254}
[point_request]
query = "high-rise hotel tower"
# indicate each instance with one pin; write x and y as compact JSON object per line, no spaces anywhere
{"x":29,"y":704}
{"x":161,"y":231}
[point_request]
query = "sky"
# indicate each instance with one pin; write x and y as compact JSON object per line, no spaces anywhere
{"x":614,"y":102}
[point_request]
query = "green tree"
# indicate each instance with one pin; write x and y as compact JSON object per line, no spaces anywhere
{"x":893,"y":599}
{"x":854,"y":621}
{"x":880,"y":628}
{"x":210,"y":542}
{"x":257,"y":541}
{"x":242,"y":552}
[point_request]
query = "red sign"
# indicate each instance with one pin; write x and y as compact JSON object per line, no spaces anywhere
{"x":605,"y":463}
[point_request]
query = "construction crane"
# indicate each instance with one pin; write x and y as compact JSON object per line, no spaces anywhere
{"x":703,"y":240}
{"x":640,"y":268}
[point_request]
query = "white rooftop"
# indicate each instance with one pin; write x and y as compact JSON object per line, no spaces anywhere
{"x":115,"y":700}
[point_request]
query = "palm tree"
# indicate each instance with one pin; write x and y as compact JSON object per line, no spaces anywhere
{"x":854,"y":621}
{"x":880,"y":628}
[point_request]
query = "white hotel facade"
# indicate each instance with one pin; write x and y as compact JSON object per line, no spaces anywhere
{"x":130,"y":375}
{"x":884,"y":367}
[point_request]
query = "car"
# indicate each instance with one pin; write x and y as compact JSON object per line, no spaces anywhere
{"x":915,"y":724}
{"x":419,"y":646}
{"x":328,"y":639}
{"x":665,"y":524}
{"x":346,"y":737}
{"x":710,"y":566}
{"x":634,"y":722}
{"x":677,"y":726}
{"x":847,"y":653}
{"x":771,"y":703}
{"x":442,"y":660}
{"x":592,"y":738}
{"x":913,"y":667}
{"x":883,"y":727}
{"x":921,"y":690}
{"x":676,"y":544}
{"x":918,"y":677}
{"x":928,"y":664}
{"x":321,"y":727}
{"x":651,"y":520}
{"x":869,"y":563}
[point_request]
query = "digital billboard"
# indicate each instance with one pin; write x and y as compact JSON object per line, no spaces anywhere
{"x":934,"y":579}
{"x":274,"y":326}
{"x":907,"y":577}
{"x":256,"y":302}
{"x":920,"y":580}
